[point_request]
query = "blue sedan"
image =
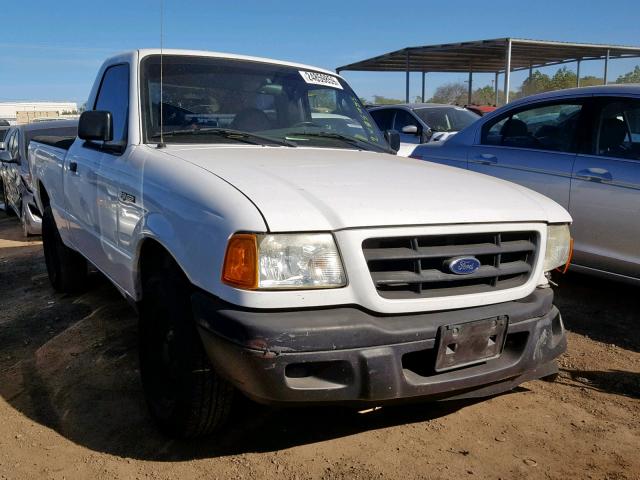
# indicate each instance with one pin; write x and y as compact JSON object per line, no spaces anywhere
{"x":580,"y":147}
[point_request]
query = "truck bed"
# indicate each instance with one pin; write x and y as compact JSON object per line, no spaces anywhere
{"x":62,"y":142}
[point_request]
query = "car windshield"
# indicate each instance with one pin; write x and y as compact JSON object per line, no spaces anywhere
{"x":446,"y":119}
{"x":204,"y":98}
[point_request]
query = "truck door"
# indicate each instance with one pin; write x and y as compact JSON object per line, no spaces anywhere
{"x":92,"y":197}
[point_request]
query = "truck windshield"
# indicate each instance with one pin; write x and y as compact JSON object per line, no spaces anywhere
{"x":447,"y":119}
{"x":203,"y":95}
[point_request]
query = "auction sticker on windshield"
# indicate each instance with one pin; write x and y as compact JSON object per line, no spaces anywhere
{"x":317,"y":78}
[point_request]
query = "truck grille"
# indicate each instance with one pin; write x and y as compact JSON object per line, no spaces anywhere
{"x":414,"y":267}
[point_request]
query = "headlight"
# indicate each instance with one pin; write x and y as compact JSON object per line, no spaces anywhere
{"x":558,"y":246}
{"x":283,"y":261}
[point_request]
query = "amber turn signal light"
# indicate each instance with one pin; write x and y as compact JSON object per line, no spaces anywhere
{"x":240,"y":267}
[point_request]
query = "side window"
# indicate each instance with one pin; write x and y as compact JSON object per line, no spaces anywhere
{"x":114,"y":97}
{"x":404,"y":118}
{"x":547,"y":127}
{"x":384,"y":118}
{"x":619,"y":129}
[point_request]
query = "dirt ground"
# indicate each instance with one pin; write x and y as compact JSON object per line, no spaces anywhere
{"x":71,"y":403}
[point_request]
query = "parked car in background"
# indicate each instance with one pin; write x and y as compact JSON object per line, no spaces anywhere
{"x":274,"y":246}
{"x":580,"y":147}
{"x":422,"y":122}
{"x":16,"y":190}
{"x":481,"y":109}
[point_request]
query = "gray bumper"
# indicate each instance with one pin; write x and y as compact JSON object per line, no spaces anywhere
{"x":349,"y":356}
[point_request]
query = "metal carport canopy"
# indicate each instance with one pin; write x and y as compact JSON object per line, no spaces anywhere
{"x":493,"y":56}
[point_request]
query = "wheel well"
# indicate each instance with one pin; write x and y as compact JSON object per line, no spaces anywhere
{"x":153,"y":257}
{"x":44,"y":196}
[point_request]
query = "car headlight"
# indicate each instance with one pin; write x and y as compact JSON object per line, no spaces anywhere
{"x":283,"y":261}
{"x":558,"y":246}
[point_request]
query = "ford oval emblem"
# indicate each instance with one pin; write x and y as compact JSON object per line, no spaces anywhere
{"x":463,"y":265}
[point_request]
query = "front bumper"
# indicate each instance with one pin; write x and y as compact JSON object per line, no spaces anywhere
{"x":350,"y":356}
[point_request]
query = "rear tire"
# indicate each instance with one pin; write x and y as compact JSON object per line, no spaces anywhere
{"x":3,"y":200}
{"x":67,"y":269}
{"x":185,"y":395}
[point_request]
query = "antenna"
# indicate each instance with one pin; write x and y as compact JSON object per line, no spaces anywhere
{"x":161,"y":144}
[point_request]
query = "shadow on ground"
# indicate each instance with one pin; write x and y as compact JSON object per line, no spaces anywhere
{"x":613,"y":381}
{"x":600,"y":309}
{"x":70,"y":363}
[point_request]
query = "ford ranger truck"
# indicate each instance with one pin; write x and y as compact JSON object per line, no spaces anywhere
{"x":274,"y":245}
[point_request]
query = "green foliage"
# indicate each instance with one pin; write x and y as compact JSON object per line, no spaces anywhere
{"x":630,"y":77}
{"x":380,"y":100}
{"x":590,"y":81}
{"x":484,"y":96}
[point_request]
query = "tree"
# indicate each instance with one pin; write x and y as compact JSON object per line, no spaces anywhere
{"x":630,"y":77}
{"x":563,"y":78}
{"x":538,"y":82}
{"x":484,"y":96}
{"x":455,"y":93}
{"x":590,"y":81}
{"x":380,"y":100}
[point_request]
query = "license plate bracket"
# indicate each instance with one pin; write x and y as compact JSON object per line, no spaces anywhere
{"x":469,"y":343}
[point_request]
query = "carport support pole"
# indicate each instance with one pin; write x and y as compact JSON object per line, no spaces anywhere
{"x":406,"y":95}
{"x":606,"y":67}
{"x":578,"y":73}
{"x":470,"y":91}
{"x":495,"y":85}
{"x":424,"y":74}
{"x":507,"y":72}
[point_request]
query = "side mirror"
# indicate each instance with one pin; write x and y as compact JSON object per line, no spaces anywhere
{"x":410,"y":129}
{"x":5,"y":157}
{"x":96,"y":125}
{"x":393,"y":139}
{"x":427,"y":133}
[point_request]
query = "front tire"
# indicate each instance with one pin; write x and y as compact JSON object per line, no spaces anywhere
{"x":185,"y":395}
{"x":67,"y":269}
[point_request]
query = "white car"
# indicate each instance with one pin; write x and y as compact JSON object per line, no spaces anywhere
{"x":274,"y":248}
{"x":420,"y":123}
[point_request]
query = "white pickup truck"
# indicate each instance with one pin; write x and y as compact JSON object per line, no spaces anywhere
{"x":251,"y":210}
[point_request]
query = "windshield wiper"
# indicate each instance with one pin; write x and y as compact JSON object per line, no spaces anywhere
{"x":345,"y":138}
{"x":229,"y":133}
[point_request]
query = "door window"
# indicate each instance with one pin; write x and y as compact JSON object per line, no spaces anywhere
{"x":384,"y":118}
{"x":546,"y":127}
{"x":403,"y":119}
{"x":114,"y":97}
{"x":619,"y":129}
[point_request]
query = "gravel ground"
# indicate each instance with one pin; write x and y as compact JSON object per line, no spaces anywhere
{"x":71,"y":403}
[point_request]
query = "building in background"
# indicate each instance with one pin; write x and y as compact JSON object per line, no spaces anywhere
{"x":27,"y":112}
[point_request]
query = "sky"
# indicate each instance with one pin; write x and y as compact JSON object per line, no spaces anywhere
{"x":52,"y":50}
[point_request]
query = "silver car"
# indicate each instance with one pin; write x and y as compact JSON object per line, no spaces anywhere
{"x":580,"y":147}
{"x":16,"y":191}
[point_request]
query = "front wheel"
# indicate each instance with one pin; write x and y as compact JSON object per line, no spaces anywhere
{"x":185,"y":395}
{"x":67,"y":269}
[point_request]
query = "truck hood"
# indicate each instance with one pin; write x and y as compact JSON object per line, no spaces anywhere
{"x":307,"y":189}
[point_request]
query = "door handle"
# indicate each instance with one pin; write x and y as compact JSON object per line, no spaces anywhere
{"x":73,"y":167}
{"x":487,"y":158}
{"x":594,"y":175}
